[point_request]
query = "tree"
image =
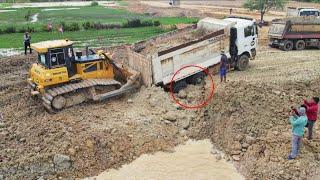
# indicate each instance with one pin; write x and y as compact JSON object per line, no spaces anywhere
{"x":263,"y":5}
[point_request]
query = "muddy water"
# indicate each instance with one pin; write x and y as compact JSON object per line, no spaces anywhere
{"x":190,"y":161}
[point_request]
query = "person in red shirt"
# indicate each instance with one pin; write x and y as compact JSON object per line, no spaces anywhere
{"x":312,"y":114}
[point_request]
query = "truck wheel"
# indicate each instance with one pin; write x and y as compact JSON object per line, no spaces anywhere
{"x":196,"y":78}
{"x":179,"y":85}
{"x":288,"y":45}
{"x":300,"y":45}
{"x":243,"y":62}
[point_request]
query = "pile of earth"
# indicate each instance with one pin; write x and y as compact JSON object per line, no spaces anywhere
{"x":86,"y":139}
{"x":249,"y":121}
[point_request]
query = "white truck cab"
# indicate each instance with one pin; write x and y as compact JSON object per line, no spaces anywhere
{"x":243,"y":37}
{"x":294,"y":12}
{"x":309,"y":12}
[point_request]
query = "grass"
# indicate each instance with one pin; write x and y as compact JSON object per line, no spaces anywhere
{"x":92,"y":38}
{"x":4,"y":5}
{"x":92,"y":14}
{"x":84,"y":14}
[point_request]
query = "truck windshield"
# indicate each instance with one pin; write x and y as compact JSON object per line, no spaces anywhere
{"x":277,"y":29}
{"x":309,"y":13}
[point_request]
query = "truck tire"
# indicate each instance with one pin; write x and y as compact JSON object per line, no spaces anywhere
{"x":243,"y":62}
{"x":196,"y":78}
{"x":179,"y":85}
{"x":300,"y":45}
{"x":288,"y":45}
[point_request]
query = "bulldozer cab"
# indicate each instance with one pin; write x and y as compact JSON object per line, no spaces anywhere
{"x":56,"y":54}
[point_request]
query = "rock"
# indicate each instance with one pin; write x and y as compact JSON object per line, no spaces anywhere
{"x":41,"y":178}
{"x":245,"y":145}
{"x":182,"y":94}
{"x":274,"y":159}
{"x":238,"y":137}
{"x":183,"y":132}
{"x":236,"y":157}
{"x":185,"y":124}
{"x":218,"y":157}
{"x":130,"y":101}
{"x":167,"y":122}
{"x":250,"y":140}
{"x":61,"y":162}
{"x":72,"y":151}
{"x":90,"y":144}
{"x":2,"y":125}
{"x":37,"y":149}
{"x":214,"y":151}
{"x":236,"y":146}
{"x":276,"y":92}
{"x":236,"y":152}
{"x":170,"y":116}
{"x":22,"y":140}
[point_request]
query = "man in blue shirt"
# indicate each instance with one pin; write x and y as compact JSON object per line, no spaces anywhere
{"x":223,"y":67}
{"x":298,"y":123}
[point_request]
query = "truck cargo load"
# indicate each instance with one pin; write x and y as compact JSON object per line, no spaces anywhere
{"x":295,"y":33}
{"x":160,"y":57}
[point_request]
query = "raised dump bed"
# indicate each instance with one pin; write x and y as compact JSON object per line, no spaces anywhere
{"x":160,"y":57}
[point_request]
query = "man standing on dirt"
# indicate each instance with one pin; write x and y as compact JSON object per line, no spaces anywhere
{"x":27,"y":39}
{"x":298,"y":123}
{"x":312,"y":114}
{"x":223,"y":67}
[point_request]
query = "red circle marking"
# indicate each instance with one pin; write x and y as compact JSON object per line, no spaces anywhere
{"x":198,"y":106}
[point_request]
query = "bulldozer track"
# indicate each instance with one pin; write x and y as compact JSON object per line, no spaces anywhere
{"x":51,"y":93}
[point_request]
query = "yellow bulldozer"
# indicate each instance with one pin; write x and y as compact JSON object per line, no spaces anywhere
{"x":63,"y":78}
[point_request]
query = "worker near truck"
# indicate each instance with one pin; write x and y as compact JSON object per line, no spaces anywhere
{"x":298,"y":123}
{"x":223,"y":67}
{"x":26,"y":40}
{"x":312,"y":114}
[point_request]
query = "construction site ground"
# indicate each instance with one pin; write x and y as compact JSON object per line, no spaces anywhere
{"x":247,"y":119}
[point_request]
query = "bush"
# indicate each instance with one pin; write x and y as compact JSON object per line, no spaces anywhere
{"x":72,"y":27}
{"x":87,"y":25}
{"x":106,"y":26}
{"x":147,"y":23}
{"x":63,"y":24}
{"x":26,"y":29}
{"x":132,"y":23}
{"x":10,"y":29}
{"x":22,"y":30}
{"x":156,"y":23}
{"x":94,"y":3}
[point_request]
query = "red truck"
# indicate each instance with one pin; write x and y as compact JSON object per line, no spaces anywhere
{"x":295,"y":33}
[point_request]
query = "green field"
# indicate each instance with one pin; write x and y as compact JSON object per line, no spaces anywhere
{"x":20,"y":20}
{"x":93,"y":38}
{"x":83,"y":14}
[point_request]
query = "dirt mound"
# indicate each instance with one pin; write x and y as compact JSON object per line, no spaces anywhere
{"x":253,"y":121}
{"x":83,"y":140}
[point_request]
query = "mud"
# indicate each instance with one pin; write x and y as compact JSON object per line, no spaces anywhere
{"x":192,"y":160}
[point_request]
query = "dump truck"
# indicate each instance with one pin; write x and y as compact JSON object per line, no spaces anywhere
{"x":295,"y":33}
{"x":64,"y":78}
{"x":296,"y":12}
{"x":236,"y":36}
